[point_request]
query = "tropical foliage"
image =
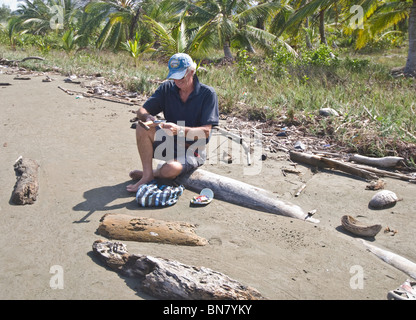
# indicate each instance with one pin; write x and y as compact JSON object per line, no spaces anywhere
{"x":198,"y":26}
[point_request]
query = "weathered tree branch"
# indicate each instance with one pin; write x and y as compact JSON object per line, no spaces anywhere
{"x":323,"y":162}
{"x":170,"y":279}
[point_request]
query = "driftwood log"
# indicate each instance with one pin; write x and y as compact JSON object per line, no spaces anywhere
{"x":385,"y":162}
{"x":130,"y":228}
{"x":27,"y":186}
{"x":170,"y":279}
{"x":322,"y":162}
{"x":393,"y":259}
{"x":240,"y":193}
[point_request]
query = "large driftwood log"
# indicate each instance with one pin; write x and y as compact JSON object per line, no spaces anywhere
{"x":241,"y":193}
{"x":393,"y":259}
{"x":322,"y":162}
{"x":130,"y":228}
{"x":27,"y":186}
{"x":169,"y":279}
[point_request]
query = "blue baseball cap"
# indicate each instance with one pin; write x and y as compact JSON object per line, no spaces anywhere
{"x":178,"y":64}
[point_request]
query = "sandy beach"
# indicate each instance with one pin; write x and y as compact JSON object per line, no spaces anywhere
{"x":86,"y":149}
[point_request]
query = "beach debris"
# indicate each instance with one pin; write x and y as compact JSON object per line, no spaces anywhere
{"x":385,"y":173}
{"x":71,"y":79}
{"x":22,"y":78}
{"x":26,"y":187}
{"x":358,"y":228}
{"x":170,"y":279}
{"x":47,"y":79}
{"x":7,"y":62}
{"x":406,"y":291}
{"x":326,"y":112}
{"x":130,"y":102}
{"x":131,"y":228}
{"x":291,"y":170}
{"x":324,"y":162}
{"x":240,"y":193}
{"x":238,"y":139}
{"x":376,"y":185}
{"x":300,"y":189}
{"x":299,"y":146}
{"x":383,"y":199}
{"x":385,"y":162}
{"x":388,"y":229}
{"x":393,"y":259}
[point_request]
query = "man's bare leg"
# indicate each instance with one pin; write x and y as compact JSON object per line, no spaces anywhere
{"x":169,"y":170}
{"x":144,"y":139}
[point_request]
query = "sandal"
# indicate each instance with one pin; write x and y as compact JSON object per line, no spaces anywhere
{"x":206,"y":195}
{"x":406,"y":291}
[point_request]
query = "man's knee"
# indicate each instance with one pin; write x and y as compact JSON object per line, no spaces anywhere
{"x":143,"y":133}
{"x":171,"y":169}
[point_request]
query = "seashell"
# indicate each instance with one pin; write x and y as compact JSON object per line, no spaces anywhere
{"x":358,"y":228}
{"x":383,"y":199}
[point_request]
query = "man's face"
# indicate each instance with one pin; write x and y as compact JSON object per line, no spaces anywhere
{"x":186,"y":82}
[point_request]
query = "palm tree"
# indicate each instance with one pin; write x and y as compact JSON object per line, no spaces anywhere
{"x":410,"y":68}
{"x":136,"y":49}
{"x":229,"y":20}
{"x":38,"y":17}
{"x":304,"y":10}
{"x":116,"y":20}
{"x":380,"y":17}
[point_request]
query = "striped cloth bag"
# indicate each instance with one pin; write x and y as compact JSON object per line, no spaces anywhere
{"x":154,"y":195}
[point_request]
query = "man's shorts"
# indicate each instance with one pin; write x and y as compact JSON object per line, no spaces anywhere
{"x":168,"y":148}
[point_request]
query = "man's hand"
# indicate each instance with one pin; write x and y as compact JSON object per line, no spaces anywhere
{"x":170,"y":128}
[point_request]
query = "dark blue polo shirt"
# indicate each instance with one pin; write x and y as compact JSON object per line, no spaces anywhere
{"x":200,"y":109}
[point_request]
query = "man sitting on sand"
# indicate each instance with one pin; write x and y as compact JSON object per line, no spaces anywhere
{"x":190,"y":109}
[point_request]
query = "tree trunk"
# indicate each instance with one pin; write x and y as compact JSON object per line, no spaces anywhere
{"x":322,"y":26}
{"x":131,"y":228}
{"x":227,"y":51}
{"x":134,"y":23}
{"x":308,"y":40}
{"x":410,"y":69}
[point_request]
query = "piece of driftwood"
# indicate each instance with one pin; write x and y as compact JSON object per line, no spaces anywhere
{"x":90,"y":95}
{"x":323,"y":162}
{"x":385,"y":173}
{"x":393,"y":259}
{"x":241,"y":193}
{"x":170,"y":279}
{"x":131,"y":228}
{"x":358,"y":228}
{"x":26,"y":187}
{"x":15,"y":62}
{"x":385,"y":162}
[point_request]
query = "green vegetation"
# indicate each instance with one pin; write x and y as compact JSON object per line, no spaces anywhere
{"x":272,"y":61}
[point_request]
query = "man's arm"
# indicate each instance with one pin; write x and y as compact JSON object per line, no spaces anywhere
{"x":192,"y":133}
{"x":144,"y":115}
